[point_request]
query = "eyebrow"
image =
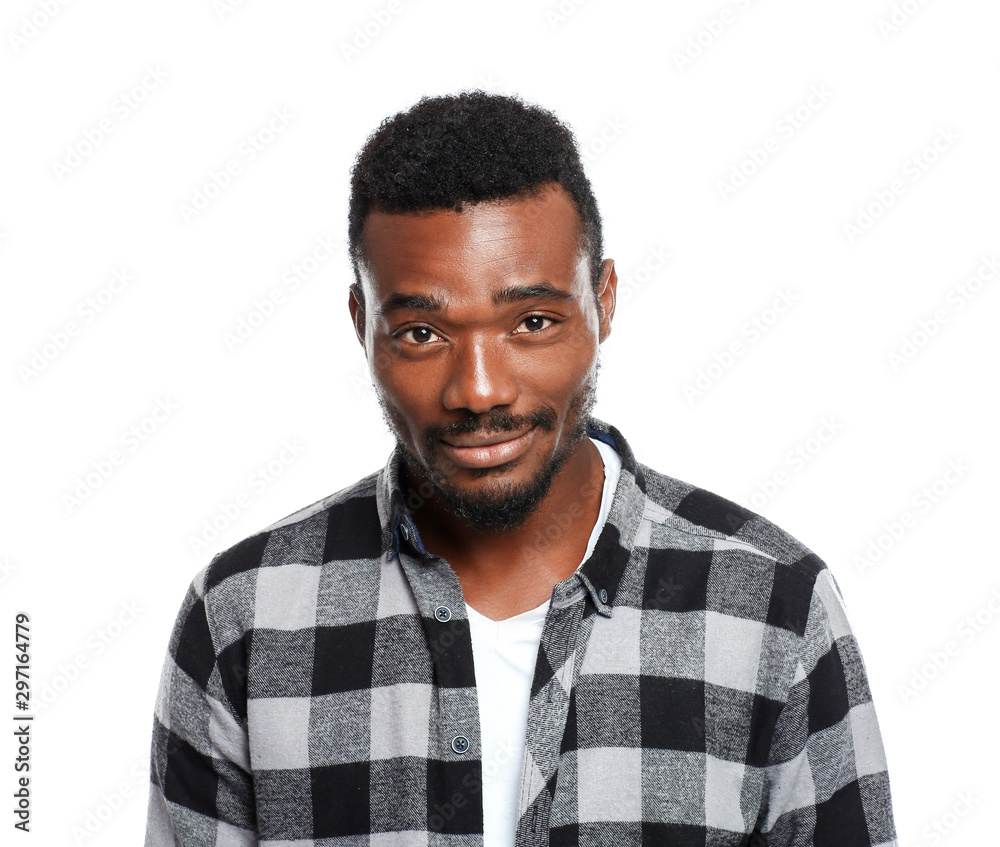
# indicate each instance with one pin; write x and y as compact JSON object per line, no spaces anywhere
{"x":397,"y":302}
{"x":519,"y":293}
{"x":504,"y":297}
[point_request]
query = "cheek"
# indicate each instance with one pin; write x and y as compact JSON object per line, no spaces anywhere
{"x":383,"y":354}
{"x":409,"y":396}
{"x":402,"y":396}
{"x":560,"y":377}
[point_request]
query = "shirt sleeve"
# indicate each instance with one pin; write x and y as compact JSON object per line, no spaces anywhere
{"x":201,"y":791}
{"x":826,"y":781}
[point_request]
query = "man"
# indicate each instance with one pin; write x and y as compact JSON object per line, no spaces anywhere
{"x":515,"y":633}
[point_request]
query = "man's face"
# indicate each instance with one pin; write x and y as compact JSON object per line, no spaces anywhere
{"x":482,"y":332}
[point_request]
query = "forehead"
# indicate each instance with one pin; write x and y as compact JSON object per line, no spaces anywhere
{"x":485,"y":245}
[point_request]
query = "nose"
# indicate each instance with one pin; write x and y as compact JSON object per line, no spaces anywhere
{"x":479,"y":378}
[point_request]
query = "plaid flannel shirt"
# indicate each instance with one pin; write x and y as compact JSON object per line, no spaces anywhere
{"x":697,"y":683}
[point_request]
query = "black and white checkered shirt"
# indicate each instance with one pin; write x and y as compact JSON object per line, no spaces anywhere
{"x":697,"y":683}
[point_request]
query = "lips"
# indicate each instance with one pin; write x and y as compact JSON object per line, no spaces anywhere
{"x":487,"y":450}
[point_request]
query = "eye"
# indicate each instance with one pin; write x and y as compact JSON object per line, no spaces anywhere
{"x":535,"y":323}
{"x":418,"y":335}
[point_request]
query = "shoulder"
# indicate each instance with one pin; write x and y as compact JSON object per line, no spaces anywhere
{"x":343,"y":527}
{"x":698,"y":511}
{"x":752,"y":567}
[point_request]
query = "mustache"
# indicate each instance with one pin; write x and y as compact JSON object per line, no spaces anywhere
{"x":496,"y":420}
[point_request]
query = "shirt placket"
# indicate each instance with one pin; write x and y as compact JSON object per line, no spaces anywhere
{"x":563,"y":638}
{"x":455,"y":787}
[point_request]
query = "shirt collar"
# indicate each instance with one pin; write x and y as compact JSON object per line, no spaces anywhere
{"x":600,"y":575}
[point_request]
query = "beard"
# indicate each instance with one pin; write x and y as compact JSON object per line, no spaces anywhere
{"x":499,"y":506}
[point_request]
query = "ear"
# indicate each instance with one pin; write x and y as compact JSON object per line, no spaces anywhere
{"x":606,"y":296}
{"x":356,"y":303}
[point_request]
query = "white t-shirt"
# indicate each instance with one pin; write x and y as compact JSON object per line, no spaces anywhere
{"x":504,"y":653}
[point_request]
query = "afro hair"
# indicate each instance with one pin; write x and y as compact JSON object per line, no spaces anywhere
{"x":470,"y":147}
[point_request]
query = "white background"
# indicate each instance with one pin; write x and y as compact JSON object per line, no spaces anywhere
{"x":101,"y":562}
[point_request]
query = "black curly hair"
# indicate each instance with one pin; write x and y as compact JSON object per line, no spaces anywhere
{"x":469,"y":147}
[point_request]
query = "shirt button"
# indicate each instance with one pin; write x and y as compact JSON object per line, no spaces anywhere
{"x":460,"y":744}
{"x":406,"y":532}
{"x":603,"y":595}
{"x":443,"y":614}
